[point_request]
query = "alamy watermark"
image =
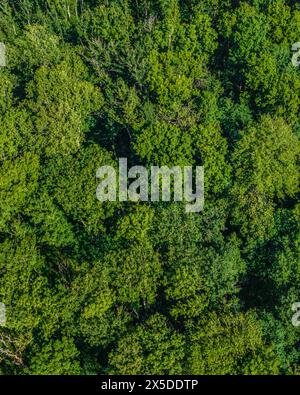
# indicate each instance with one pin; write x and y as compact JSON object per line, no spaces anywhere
{"x":296,"y":55}
{"x":2,"y":314}
{"x":166,"y":184}
{"x":2,"y":55}
{"x":296,"y":316}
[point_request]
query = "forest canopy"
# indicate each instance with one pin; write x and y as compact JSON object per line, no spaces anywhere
{"x":146,"y":288}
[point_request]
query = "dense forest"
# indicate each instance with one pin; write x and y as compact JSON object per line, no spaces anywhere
{"x":140,"y":287}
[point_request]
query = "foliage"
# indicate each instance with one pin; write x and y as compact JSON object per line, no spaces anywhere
{"x":145,"y":288}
